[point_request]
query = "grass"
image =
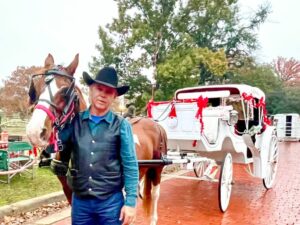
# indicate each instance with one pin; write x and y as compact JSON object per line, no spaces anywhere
{"x":23,"y":187}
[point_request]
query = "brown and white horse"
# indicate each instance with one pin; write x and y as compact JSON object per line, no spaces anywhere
{"x":52,"y":90}
{"x":151,"y":143}
{"x":55,"y":99}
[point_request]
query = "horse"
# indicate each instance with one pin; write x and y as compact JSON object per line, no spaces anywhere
{"x":151,"y":143}
{"x":53,"y":108}
{"x":56,"y":99}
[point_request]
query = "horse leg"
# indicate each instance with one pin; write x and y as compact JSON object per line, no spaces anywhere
{"x":64,"y":157}
{"x":155,"y":193}
{"x":151,"y":193}
{"x":141,"y":187}
{"x":67,"y":190}
{"x":155,"y":196}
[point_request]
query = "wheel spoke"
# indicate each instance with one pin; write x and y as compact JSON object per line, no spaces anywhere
{"x":272,"y":164}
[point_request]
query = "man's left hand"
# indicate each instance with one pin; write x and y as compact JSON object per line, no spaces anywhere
{"x":128,"y":215}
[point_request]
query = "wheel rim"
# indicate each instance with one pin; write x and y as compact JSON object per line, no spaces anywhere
{"x":226,"y":182}
{"x":272,"y":164}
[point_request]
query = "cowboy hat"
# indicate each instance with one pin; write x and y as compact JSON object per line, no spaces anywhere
{"x":108,"y":77}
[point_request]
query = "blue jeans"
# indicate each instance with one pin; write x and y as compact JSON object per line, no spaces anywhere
{"x":93,"y":211}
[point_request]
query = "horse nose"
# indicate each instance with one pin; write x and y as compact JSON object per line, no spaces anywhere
{"x":36,"y":135}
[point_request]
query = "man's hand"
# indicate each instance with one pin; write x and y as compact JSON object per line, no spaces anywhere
{"x":127,"y":215}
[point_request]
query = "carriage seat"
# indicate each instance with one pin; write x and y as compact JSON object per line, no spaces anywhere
{"x":240,"y":126}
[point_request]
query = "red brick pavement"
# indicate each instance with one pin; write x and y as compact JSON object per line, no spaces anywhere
{"x":196,"y":202}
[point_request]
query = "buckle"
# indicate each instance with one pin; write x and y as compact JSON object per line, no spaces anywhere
{"x":60,"y":145}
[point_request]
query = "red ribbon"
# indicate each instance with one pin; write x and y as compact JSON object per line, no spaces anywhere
{"x":149,"y":108}
{"x":248,"y":98}
{"x":261,"y":103}
{"x":151,"y":103}
{"x":201,"y":103}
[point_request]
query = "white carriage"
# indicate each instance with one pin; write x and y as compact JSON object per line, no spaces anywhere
{"x":287,"y":126}
{"x":219,"y":125}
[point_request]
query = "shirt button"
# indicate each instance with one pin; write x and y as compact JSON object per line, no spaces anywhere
{"x":91,"y":165}
{"x":90,"y":178}
{"x":90,"y":189}
{"x":93,"y":141}
{"x":92,"y":153}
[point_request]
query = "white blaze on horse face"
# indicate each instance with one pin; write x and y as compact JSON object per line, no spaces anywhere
{"x":136,"y":139}
{"x":37,"y":121}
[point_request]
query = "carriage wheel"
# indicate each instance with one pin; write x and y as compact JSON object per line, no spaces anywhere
{"x":272,"y":163}
{"x":225,"y":182}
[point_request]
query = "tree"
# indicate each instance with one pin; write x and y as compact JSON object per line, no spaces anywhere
{"x":288,"y":70}
{"x":182,"y":67}
{"x":14,"y":94}
{"x":261,"y":76}
{"x":159,"y":34}
{"x":285,"y":100}
{"x":217,"y":24}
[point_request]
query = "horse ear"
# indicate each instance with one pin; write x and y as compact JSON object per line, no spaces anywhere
{"x":73,"y":65}
{"x":49,"y":61}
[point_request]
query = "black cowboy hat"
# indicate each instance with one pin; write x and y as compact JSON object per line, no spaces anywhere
{"x":108,"y":77}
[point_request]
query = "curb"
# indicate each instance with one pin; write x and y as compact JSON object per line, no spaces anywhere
{"x":54,"y":218}
{"x":31,"y":204}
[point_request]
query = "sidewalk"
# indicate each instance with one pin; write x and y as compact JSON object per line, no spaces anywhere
{"x":63,"y":217}
{"x":60,"y":218}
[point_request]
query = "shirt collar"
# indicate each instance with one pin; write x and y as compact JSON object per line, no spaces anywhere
{"x":108,"y":116}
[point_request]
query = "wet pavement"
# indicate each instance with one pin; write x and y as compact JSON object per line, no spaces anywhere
{"x":191,"y":202}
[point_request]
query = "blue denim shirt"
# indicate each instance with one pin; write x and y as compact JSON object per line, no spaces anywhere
{"x":127,"y":153}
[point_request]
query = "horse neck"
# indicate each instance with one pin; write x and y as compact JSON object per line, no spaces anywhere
{"x":82,"y":103}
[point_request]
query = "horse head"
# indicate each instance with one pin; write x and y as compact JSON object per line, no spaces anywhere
{"x":53,"y":94}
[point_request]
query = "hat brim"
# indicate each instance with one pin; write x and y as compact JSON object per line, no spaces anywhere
{"x":121,"y":90}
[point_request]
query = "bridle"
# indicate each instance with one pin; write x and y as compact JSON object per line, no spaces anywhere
{"x":58,"y":117}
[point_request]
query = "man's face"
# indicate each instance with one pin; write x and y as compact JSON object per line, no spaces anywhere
{"x":102,"y":97}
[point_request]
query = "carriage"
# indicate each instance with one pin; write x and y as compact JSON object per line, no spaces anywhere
{"x":212,"y":127}
{"x":287,"y":126}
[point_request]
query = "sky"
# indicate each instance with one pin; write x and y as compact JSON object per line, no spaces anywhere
{"x":30,"y":29}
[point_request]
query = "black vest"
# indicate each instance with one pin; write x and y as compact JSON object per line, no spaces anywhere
{"x":96,"y":164}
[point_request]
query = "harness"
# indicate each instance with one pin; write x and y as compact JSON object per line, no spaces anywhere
{"x":58,"y":120}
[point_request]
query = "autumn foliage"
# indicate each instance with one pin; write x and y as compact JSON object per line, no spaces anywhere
{"x":14,"y":93}
{"x":288,"y":70}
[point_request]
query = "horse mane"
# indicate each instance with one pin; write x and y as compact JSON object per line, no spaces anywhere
{"x":81,"y":101}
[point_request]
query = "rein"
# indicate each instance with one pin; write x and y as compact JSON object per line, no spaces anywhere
{"x":68,"y":112}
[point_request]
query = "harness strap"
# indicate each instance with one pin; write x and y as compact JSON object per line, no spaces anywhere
{"x":47,"y":111}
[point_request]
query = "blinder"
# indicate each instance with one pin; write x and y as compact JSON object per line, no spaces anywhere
{"x":32,"y":93}
{"x":48,"y":79}
{"x":49,"y":76}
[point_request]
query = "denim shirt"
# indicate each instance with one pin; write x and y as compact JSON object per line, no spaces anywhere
{"x":127,"y":152}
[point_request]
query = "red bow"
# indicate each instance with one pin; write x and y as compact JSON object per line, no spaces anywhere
{"x":248,"y":98}
{"x":201,"y":103}
{"x":261,"y":103}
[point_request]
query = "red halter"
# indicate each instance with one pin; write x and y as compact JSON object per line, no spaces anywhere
{"x":57,"y":123}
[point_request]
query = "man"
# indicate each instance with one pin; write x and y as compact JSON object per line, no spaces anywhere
{"x":103,"y":158}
